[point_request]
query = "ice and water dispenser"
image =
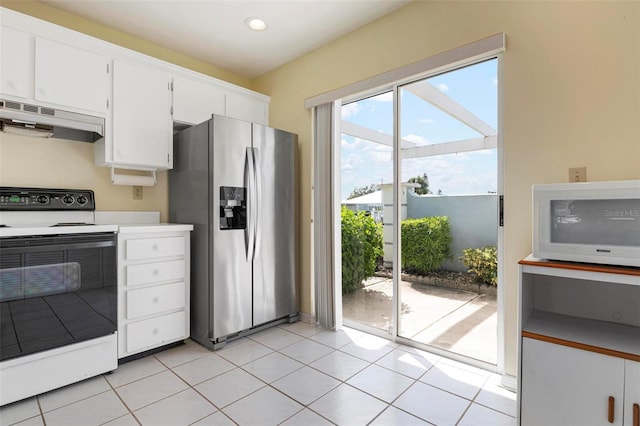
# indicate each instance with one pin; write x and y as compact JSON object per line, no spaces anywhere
{"x":233,"y":207}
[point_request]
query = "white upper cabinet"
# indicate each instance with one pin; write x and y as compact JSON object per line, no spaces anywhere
{"x":141,"y":135}
{"x":194,"y":101}
{"x":15,"y":64}
{"x":71,"y":77}
{"x":247,"y":108}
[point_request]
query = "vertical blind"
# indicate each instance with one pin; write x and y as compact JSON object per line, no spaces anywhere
{"x":325,"y":267}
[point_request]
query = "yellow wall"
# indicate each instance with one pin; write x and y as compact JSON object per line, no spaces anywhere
{"x":571,"y":98}
{"x":57,"y":163}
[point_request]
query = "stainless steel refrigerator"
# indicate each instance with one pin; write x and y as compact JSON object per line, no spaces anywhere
{"x":234,"y":181}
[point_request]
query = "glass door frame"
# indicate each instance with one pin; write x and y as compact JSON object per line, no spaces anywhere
{"x":397,"y":173}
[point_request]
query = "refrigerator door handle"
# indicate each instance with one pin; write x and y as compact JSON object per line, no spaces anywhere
{"x":251,"y":214}
{"x":258,"y":199}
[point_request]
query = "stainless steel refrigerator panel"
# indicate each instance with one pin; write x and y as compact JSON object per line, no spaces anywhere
{"x":232,"y":275}
{"x":274,"y":286}
{"x":189,"y":201}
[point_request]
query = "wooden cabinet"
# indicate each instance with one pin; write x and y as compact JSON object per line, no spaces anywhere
{"x":195,"y":102}
{"x":579,"y":351}
{"x":16,"y":73}
{"x":141,"y":130}
{"x":153,"y":287}
{"x":70,"y":77}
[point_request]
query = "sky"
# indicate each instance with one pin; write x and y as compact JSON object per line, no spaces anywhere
{"x":364,"y":163}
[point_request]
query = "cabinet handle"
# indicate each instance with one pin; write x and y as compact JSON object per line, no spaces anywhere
{"x":612,"y":403}
{"x":636,"y":415}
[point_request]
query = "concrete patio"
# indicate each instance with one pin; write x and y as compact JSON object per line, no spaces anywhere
{"x":458,"y":321}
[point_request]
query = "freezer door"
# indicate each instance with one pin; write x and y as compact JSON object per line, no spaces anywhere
{"x":230,"y":226}
{"x":274,"y":287}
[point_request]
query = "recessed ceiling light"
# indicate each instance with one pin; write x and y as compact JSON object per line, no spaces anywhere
{"x":255,"y":23}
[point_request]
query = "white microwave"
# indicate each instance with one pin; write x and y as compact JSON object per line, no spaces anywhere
{"x":594,"y":222}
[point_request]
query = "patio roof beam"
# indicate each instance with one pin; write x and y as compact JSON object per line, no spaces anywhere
{"x":370,"y":135}
{"x":440,"y":100}
{"x":451,"y":147}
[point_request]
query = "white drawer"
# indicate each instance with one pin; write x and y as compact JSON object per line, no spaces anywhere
{"x":149,"y":248}
{"x":156,"y":272}
{"x":153,"y":300}
{"x":155,"y":331}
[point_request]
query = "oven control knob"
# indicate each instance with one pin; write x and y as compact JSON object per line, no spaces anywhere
{"x":68,"y":199}
{"x":42,"y":199}
{"x":82,"y":200}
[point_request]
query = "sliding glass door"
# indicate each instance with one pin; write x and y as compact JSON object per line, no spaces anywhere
{"x":422,"y":166}
{"x":450,"y":225}
{"x":366,"y":214}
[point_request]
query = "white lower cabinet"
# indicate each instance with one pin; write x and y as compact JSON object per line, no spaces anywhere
{"x":579,"y":353}
{"x":632,"y":393}
{"x":567,"y":386}
{"x":153,"y":287}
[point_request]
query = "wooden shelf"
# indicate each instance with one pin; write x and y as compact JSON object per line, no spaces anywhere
{"x":603,"y":337}
{"x":577,"y":266}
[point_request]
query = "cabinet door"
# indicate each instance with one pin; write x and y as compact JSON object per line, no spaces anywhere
{"x":566,"y":386}
{"x":194,"y":102}
{"x":15,"y":65}
{"x":142,"y":129}
{"x":631,"y":392}
{"x":70,"y":77}
{"x":246,"y":108}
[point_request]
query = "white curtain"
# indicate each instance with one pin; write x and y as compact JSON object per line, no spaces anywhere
{"x":326,"y":214}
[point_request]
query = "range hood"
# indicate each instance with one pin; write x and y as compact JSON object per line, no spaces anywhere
{"x":33,"y":120}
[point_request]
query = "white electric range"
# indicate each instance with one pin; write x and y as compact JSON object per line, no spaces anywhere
{"x":37,"y":211}
{"x":58,"y":291}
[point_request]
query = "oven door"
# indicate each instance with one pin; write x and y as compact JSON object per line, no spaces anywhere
{"x":56,"y":290}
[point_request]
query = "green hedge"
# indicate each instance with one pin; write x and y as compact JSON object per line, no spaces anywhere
{"x":483,"y":262}
{"x":361,"y":247}
{"x":426,"y":243}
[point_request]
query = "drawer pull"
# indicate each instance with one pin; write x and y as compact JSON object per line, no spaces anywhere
{"x":156,"y":299}
{"x":612,"y":403}
{"x":636,"y":415}
{"x":156,"y":247}
{"x":155,"y":331}
{"x":156,"y":272}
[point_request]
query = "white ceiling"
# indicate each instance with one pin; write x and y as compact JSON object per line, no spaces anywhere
{"x":214,"y":30}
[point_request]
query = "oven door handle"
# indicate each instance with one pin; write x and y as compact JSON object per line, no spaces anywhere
{"x":65,"y":242}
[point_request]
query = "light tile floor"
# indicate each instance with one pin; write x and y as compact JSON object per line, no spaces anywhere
{"x":293,"y":374}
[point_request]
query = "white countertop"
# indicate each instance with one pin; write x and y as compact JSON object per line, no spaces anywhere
{"x":153,"y":227}
{"x":105,"y":221}
{"x":17,"y":231}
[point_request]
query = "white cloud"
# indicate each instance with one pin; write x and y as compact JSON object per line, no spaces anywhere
{"x":417,"y":139}
{"x":442,"y":87}
{"x":380,"y":157}
{"x":427,"y":120}
{"x":349,"y":109}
